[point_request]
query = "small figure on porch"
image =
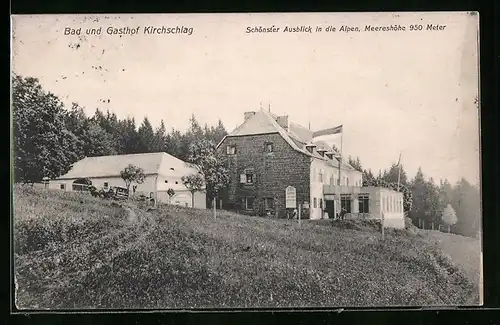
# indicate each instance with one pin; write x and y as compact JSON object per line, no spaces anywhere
{"x":343,"y":212}
{"x":294,"y":214}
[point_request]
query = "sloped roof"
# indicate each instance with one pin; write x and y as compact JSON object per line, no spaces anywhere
{"x":304,"y":134}
{"x":110,"y":166}
{"x":259,"y":123}
{"x":297,"y":136}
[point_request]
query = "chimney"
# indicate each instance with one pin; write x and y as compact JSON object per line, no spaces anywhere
{"x":249,"y":115}
{"x":283,"y":121}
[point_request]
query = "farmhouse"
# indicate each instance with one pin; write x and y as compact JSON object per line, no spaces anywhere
{"x":162,"y":172}
{"x":266,"y":154}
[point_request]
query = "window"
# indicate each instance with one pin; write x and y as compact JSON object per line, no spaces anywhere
{"x":231,"y":150}
{"x":247,"y":177}
{"x":63,"y":186}
{"x":332,"y":180}
{"x":106,"y":184}
{"x":343,"y":180}
{"x":347,"y":181}
{"x":315,"y":203}
{"x":166,"y":181}
{"x":321,"y":203}
{"x":176,"y":182}
{"x":345,"y":202}
{"x":320,"y":175}
{"x":172,"y":168}
{"x":364,"y":203}
{"x":269,"y":203}
{"x":269,"y":147}
{"x":249,"y":203}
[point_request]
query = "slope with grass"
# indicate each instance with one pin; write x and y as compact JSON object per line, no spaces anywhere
{"x":74,"y":251}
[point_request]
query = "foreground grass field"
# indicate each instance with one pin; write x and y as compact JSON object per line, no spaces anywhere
{"x":75,"y":251}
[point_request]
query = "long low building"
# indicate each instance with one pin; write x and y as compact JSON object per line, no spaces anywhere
{"x":162,"y":172}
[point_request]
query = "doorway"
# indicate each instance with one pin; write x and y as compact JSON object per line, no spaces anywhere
{"x":330,"y":208}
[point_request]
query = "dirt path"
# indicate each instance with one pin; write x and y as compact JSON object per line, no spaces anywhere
{"x":465,"y":252}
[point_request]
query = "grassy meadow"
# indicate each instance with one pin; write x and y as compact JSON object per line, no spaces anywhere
{"x":74,"y":251}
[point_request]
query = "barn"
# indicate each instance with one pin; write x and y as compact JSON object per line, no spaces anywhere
{"x":162,"y":172}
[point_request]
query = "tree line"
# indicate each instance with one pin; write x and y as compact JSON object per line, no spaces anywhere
{"x":457,"y":206}
{"x":49,"y":137}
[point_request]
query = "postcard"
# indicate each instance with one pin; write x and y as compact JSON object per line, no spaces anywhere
{"x":245,"y":160}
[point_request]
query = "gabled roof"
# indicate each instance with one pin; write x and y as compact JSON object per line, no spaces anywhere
{"x":263,"y":122}
{"x":110,"y":166}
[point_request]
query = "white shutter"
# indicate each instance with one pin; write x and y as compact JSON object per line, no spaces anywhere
{"x":243,"y":178}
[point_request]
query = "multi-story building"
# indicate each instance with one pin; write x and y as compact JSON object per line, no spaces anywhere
{"x":267,"y":153}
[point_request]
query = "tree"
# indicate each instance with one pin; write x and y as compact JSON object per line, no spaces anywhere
{"x":466,"y":200}
{"x":132,"y":174}
{"x":449,"y":217}
{"x":42,"y":144}
{"x":158,"y":144}
{"x":97,"y":142}
{"x":393,"y":173}
{"x":355,"y":163}
{"x":194,"y":183}
{"x":146,"y":136}
{"x":211,"y":164}
{"x":170,"y":193}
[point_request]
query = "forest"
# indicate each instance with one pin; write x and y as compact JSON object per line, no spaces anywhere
{"x":49,"y":137}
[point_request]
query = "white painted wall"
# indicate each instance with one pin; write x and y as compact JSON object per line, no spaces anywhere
{"x":329,"y":176}
{"x":149,"y":184}
{"x":391,"y":205}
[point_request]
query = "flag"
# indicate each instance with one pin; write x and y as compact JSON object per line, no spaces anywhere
{"x":330,"y":131}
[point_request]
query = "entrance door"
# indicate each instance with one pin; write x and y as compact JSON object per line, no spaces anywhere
{"x":330,"y":208}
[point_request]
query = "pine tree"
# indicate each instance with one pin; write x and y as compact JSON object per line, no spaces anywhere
{"x":159,"y":141}
{"x":145,"y":136}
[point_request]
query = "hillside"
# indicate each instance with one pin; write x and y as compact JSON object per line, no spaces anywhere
{"x":75,"y":251}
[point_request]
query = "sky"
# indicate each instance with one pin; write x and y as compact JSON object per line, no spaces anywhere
{"x":393,"y":91}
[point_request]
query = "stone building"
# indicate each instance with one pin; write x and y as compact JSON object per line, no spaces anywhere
{"x":267,"y":153}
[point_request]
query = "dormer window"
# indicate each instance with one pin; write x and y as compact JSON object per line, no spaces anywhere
{"x":321,"y":152}
{"x":310,"y":147}
{"x":329,"y":154}
{"x":231,"y":150}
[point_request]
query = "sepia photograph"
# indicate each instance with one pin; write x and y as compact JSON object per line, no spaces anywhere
{"x":245,"y":160}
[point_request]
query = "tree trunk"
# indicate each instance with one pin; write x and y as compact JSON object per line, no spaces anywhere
{"x":215,"y":213}
{"x":192,"y":199}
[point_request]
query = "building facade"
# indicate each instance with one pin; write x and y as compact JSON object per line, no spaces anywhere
{"x":266,"y":154}
{"x":162,"y":172}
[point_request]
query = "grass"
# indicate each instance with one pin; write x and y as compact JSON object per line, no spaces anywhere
{"x":75,"y":251}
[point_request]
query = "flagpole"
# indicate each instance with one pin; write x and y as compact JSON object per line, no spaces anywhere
{"x":341,"y":144}
{"x":399,"y":170}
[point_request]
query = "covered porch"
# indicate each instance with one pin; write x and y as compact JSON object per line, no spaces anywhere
{"x":355,"y":201}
